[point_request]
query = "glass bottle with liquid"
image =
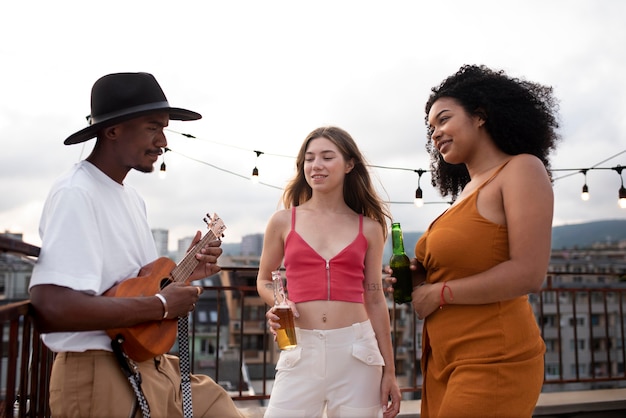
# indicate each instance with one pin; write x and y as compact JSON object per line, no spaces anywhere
{"x":286,"y":334}
{"x":400,"y":264}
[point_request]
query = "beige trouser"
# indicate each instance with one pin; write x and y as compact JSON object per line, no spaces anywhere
{"x":91,"y":384}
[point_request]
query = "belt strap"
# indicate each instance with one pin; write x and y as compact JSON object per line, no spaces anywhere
{"x":131,"y":371}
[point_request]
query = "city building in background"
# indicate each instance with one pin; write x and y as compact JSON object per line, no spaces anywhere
{"x":252,"y":244}
{"x":161,"y":240}
{"x":181,"y":249}
{"x":15,"y":272}
{"x":582,"y":320}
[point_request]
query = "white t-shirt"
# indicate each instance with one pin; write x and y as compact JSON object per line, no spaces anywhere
{"x":94,"y":234}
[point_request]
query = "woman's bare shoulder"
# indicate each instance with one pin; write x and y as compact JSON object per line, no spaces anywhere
{"x":372,"y":228}
{"x":525,"y":162}
{"x":280,"y":218}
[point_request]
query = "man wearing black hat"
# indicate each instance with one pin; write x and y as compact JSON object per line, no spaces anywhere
{"x":95,"y":235}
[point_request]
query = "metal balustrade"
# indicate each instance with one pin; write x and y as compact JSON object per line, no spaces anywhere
{"x":584,"y":329}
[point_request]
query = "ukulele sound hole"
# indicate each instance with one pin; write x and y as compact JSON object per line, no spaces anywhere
{"x":164,"y":282}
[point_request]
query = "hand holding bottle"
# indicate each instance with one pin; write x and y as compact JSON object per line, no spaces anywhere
{"x":286,"y":332}
{"x":405,"y":273}
{"x":418,"y":275}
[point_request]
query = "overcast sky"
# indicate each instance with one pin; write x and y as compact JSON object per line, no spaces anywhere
{"x":265,"y":73}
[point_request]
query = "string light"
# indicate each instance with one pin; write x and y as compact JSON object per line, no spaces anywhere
{"x":585,"y":194}
{"x":621,"y":195}
{"x":162,"y":172}
{"x":419,"y":201}
{"x":255,"y":170}
{"x":224,"y":170}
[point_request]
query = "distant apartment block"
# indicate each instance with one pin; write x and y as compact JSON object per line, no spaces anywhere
{"x":583,"y":319}
{"x":183,"y":246}
{"x":161,"y":240}
{"x":252,"y":244}
{"x":15,"y":272}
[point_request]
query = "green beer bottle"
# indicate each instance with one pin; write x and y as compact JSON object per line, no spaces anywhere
{"x":400,"y":264}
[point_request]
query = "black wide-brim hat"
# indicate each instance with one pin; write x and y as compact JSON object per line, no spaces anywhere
{"x":119,"y":97}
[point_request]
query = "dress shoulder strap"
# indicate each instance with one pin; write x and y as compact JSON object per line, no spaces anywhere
{"x":493,"y":176}
{"x":361,"y":223}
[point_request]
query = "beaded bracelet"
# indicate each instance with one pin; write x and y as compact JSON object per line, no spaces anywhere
{"x":443,"y":298}
{"x":164,"y":302}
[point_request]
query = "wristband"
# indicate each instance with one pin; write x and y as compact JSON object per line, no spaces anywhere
{"x":164,"y":302}
{"x":442,"y":300}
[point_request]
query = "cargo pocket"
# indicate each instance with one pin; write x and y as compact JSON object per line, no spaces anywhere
{"x":289,"y":358}
{"x":367,"y":351}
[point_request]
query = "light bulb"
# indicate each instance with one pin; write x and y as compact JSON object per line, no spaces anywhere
{"x":585,"y":194}
{"x":255,"y":175}
{"x":419,"y":202}
{"x":622,"y":198}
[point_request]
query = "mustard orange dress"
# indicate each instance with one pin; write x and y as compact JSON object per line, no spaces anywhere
{"x":477,"y":360}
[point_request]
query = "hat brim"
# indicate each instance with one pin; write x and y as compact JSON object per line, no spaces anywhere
{"x":91,"y":131}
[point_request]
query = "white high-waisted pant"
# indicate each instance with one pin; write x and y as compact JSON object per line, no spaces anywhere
{"x":339,"y":368}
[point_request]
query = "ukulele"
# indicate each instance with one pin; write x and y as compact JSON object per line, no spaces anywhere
{"x":149,"y":339}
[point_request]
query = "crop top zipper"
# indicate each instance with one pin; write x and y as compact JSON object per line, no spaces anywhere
{"x":308,"y":270}
{"x":327,"y":279}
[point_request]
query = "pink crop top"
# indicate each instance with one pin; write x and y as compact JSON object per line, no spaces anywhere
{"x":311,"y":277}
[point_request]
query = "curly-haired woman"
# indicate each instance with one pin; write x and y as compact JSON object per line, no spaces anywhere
{"x":489,"y":140}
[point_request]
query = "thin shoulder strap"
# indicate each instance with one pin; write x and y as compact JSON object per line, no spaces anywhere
{"x":493,"y":176}
{"x":361,"y":223}
{"x":293,"y":218}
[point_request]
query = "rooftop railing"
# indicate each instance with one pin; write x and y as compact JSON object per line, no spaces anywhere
{"x":583,"y":326}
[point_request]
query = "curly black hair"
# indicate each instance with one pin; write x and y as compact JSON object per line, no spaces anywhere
{"x":521,"y":117}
